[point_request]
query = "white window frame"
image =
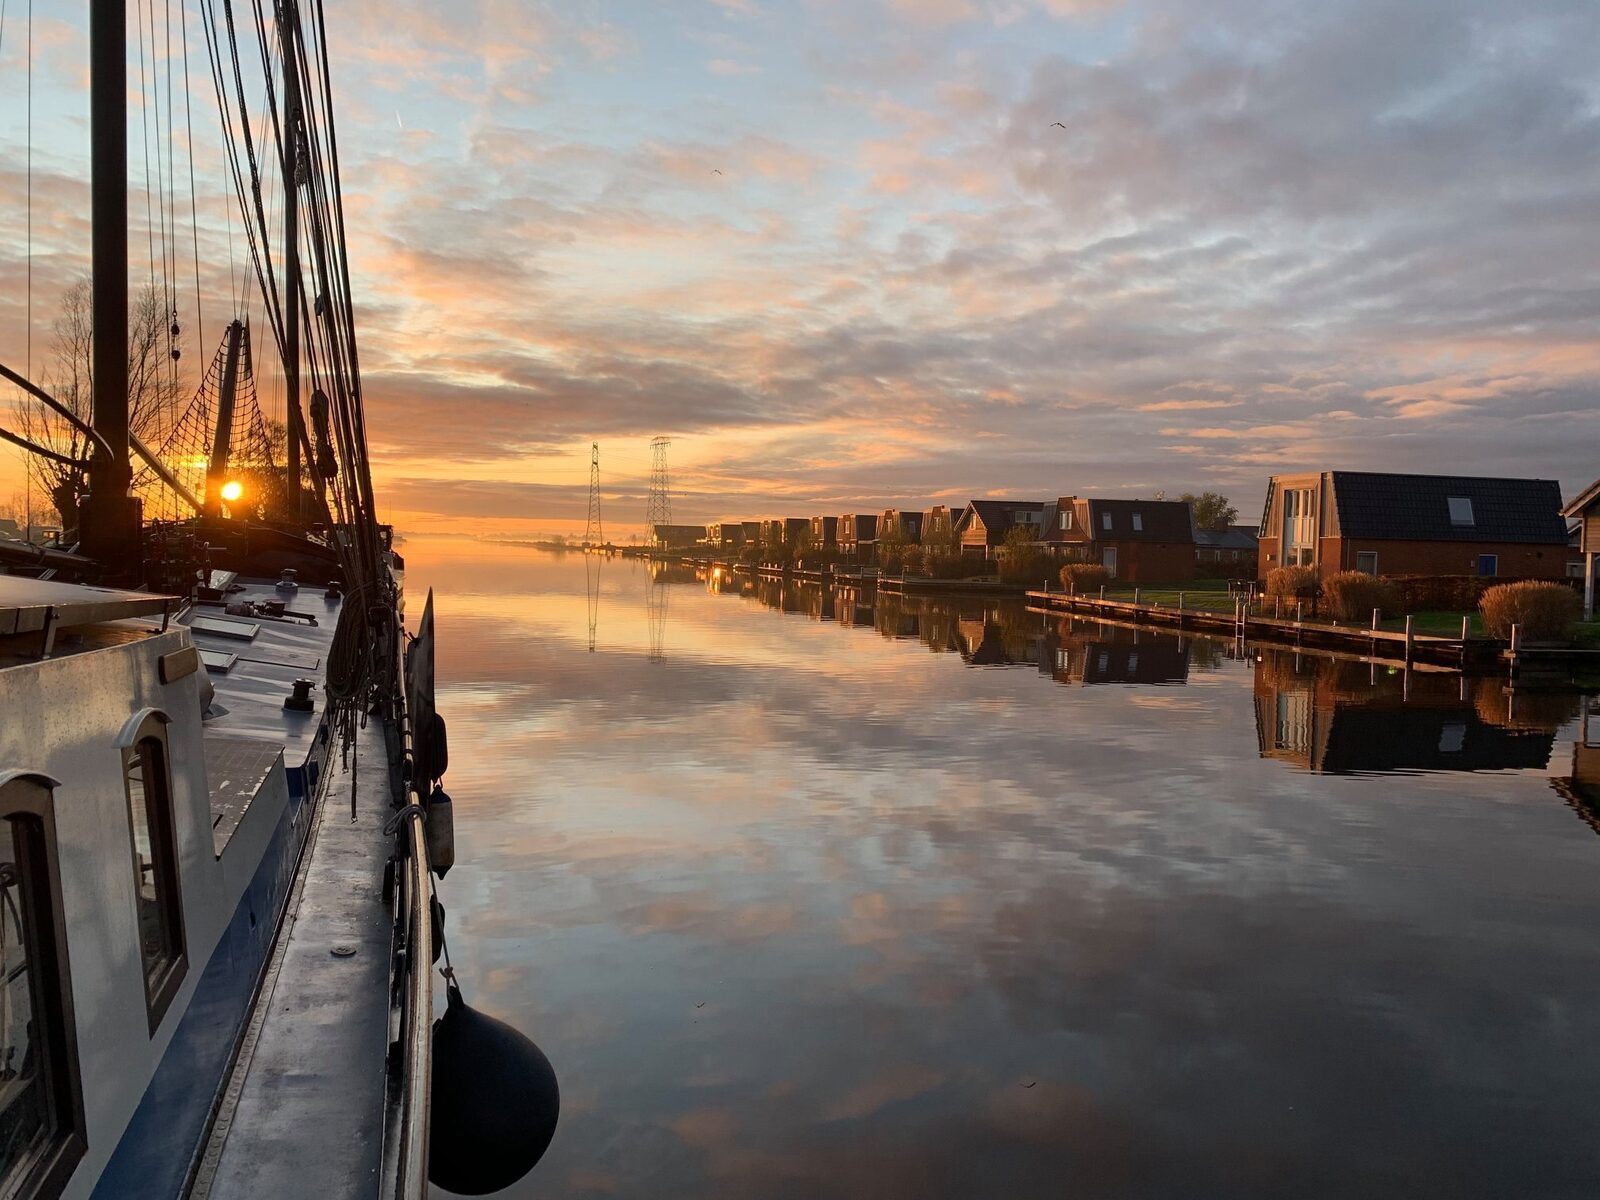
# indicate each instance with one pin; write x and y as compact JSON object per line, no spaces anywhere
{"x":1138,"y":522}
{"x":1373,"y":555}
{"x":1105,"y":521}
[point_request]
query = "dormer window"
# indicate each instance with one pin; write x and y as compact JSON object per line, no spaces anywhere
{"x":1138,"y":523}
{"x":1066,"y":519}
{"x":1461,"y":512}
{"x":1105,"y":520}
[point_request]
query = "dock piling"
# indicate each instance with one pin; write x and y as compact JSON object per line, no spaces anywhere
{"x":1410,"y":638}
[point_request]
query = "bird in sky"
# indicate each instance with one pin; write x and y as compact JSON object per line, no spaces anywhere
{"x":1057,"y":125}
{"x":714,"y":171}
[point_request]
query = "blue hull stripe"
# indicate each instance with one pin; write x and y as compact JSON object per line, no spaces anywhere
{"x":159,"y":1143}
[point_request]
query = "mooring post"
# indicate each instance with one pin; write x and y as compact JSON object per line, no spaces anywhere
{"x":1466,"y":629}
{"x":1136,"y":595}
{"x":1277,"y":607}
{"x":1102,"y":591}
{"x":1377,"y":615}
{"x":1299,"y":611}
{"x":1516,"y":647}
{"x":1410,"y":637}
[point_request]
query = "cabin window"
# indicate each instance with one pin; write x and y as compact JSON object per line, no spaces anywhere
{"x":1105,"y":520}
{"x":41,"y":1108}
{"x":1461,"y":511}
{"x":1488,"y":564}
{"x":148,"y":777}
{"x":1138,"y":523}
{"x":1367,"y":562}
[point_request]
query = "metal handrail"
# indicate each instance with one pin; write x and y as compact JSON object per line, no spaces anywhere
{"x":416,"y":1029}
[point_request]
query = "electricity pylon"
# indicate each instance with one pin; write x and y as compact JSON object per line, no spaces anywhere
{"x":659,"y":510}
{"x":593,"y":534}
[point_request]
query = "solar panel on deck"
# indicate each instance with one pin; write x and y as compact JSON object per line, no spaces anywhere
{"x":26,"y":605}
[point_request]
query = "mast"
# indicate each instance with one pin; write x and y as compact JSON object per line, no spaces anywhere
{"x":109,"y":518}
{"x":217,"y":469}
{"x":288,"y":22}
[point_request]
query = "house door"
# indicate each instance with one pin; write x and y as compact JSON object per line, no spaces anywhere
{"x":1108,"y":559}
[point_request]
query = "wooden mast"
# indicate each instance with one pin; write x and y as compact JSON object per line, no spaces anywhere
{"x":109,"y":518}
{"x":288,"y":22}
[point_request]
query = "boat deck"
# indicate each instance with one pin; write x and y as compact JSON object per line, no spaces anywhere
{"x":303,"y":1112}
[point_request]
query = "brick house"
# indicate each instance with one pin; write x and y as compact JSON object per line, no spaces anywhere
{"x":1413,"y":525}
{"x":824,"y":533}
{"x":1585,"y":512}
{"x":1141,"y":541}
{"x":725,"y":535}
{"x":907,"y":524}
{"x":983,"y":524}
{"x":1226,"y":552}
{"x":858,"y":535}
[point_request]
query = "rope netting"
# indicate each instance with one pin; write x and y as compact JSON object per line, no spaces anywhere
{"x":186,"y":450}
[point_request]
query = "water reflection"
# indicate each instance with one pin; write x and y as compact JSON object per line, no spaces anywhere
{"x":862,"y":902}
{"x":1336,"y":716}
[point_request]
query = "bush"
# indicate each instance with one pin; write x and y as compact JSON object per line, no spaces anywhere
{"x":1352,"y":595}
{"x":1290,"y":582}
{"x":1440,"y":593}
{"x":1547,"y":612}
{"x":1084,"y":577}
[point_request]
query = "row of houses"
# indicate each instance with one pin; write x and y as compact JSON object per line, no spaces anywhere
{"x":1380,"y":523}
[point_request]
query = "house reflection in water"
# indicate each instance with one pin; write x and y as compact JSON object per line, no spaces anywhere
{"x":1581,"y":789}
{"x":1340,"y":716}
{"x":1087,"y":652}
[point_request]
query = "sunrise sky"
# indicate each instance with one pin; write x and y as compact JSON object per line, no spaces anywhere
{"x":1272,"y":234}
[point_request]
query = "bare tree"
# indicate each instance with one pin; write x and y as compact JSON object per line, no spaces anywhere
{"x":154,"y":388}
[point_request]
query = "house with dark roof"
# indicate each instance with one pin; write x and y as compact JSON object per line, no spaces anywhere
{"x":824,"y":533}
{"x":1392,"y":524}
{"x":902,"y":524}
{"x":983,"y":524}
{"x":1141,"y":541}
{"x":1229,"y":551}
{"x":858,"y":535}
{"x":725,"y":535}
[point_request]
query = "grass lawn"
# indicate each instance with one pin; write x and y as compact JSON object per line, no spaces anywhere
{"x":1199,"y":593}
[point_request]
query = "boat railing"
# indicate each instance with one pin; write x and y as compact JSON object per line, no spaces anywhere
{"x":415,"y":916}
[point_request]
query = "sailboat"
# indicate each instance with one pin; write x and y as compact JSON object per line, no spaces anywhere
{"x":221,"y":813}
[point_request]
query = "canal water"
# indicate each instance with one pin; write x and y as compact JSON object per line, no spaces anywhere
{"x":825,"y":895}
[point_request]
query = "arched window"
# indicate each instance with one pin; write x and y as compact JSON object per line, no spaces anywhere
{"x":147,"y":774}
{"x":41,"y":1102}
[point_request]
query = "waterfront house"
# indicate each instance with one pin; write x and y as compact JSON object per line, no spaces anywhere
{"x":725,"y":535}
{"x":983,"y":524}
{"x":858,"y":535}
{"x":938,"y":527}
{"x":895,"y":523}
{"x":676,"y":537}
{"x":824,"y":533}
{"x":1141,"y":541}
{"x":1413,"y":525}
{"x":796,"y":530}
{"x":771,"y":533}
{"x":1585,"y":511}
{"x":750,"y":533}
{"x":1224,"y":552}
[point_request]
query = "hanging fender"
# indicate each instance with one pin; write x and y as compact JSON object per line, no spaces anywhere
{"x":441,"y":833}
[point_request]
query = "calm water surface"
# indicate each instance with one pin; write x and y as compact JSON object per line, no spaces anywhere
{"x":807,"y":896}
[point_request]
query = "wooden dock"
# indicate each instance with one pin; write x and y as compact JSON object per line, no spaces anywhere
{"x":1403,"y":646}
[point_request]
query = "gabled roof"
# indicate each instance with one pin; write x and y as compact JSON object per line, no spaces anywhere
{"x":1234,"y":537}
{"x":1159,"y":520}
{"x":1587,"y":497}
{"x":1417,"y":508}
{"x":998,"y":515}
